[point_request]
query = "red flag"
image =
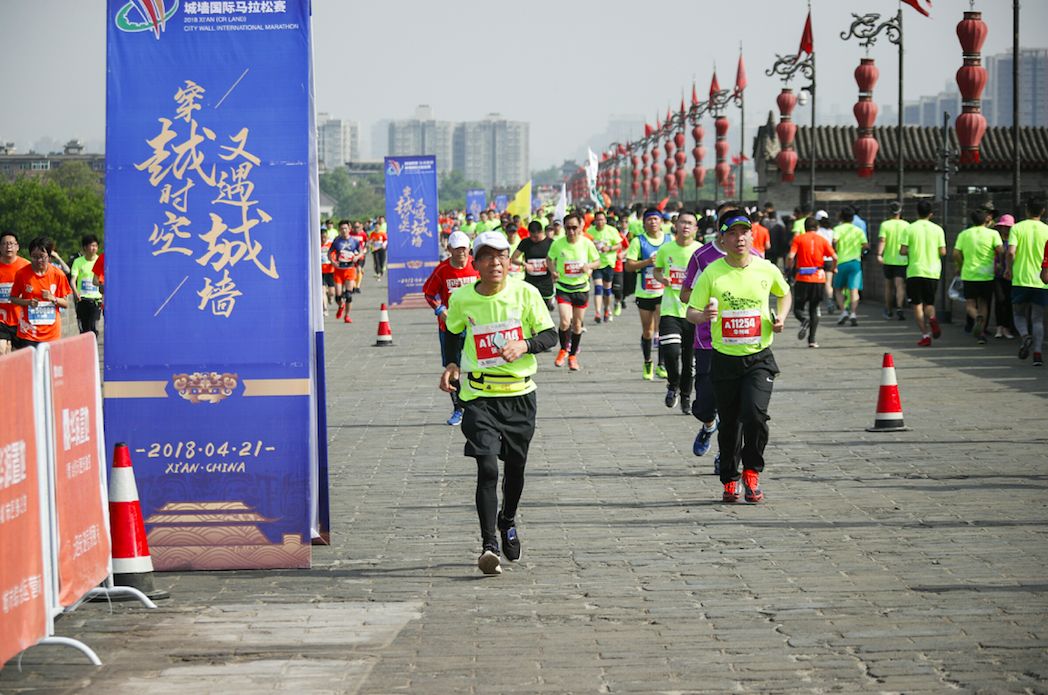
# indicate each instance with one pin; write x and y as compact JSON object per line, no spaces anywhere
{"x":694,"y":96}
{"x":662,"y":204}
{"x":918,"y":5}
{"x":647,"y":130}
{"x":807,"y":41}
{"x":740,"y":76}
{"x":658,"y":125}
{"x":682,"y":106}
{"x":714,"y":85}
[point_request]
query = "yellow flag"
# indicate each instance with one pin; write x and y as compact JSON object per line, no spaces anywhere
{"x":521,"y":203}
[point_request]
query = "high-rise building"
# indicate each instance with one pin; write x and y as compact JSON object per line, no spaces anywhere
{"x":493,"y":152}
{"x":380,"y":139}
{"x":423,"y":135}
{"x":338,"y":141}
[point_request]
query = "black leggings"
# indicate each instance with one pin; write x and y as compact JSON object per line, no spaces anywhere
{"x":704,"y":407}
{"x":378,"y":258}
{"x":743,"y":386}
{"x":88,"y":312}
{"x":806,"y":298}
{"x":487,"y":497}
{"x":677,"y":345}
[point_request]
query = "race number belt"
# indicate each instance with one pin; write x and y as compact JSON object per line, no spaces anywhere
{"x":497,"y":383}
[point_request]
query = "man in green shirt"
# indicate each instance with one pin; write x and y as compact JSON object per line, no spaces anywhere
{"x":1025,"y":253}
{"x":503,"y":324}
{"x":924,"y":245}
{"x":799,"y":215}
{"x":640,"y":259}
{"x":571,"y":260}
{"x":470,"y":228}
{"x":974,"y":253}
{"x":85,"y":287}
{"x":849,"y":242}
{"x":607,"y":240}
{"x":732,"y":295}
{"x":676,"y":333}
{"x":889,"y":238}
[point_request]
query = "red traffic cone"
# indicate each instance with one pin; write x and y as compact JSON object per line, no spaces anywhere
{"x":385,"y":333}
{"x":889,"y":406}
{"x":132,"y":564}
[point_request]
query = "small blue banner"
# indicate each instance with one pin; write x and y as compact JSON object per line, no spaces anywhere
{"x":501,"y":202}
{"x":476,"y":200}
{"x":411,"y":221}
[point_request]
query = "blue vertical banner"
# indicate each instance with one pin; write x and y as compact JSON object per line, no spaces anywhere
{"x":210,"y":362}
{"x":501,"y":202}
{"x":411,"y":222}
{"x":476,"y":200}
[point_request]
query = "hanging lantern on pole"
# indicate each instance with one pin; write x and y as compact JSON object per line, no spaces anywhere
{"x":670,"y":162}
{"x":723,"y":169}
{"x":698,"y":153}
{"x":655,"y":168}
{"x":865,"y":147}
{"x":786,"y":130}
{"x":971,"y":80}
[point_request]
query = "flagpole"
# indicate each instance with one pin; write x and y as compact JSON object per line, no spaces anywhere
{"x":900,"y":154}
{"x":742,"y":133}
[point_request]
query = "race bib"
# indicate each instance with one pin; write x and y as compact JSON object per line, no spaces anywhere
{"x":573,"y":269}
{"x":345,"y":257}
{"x":87,"y":285}
{"x":489,"y":339}
{"x":324,"y":258}
{"x":43,"y":314}
{"x":454,"y":284}
{"x":677,"y":277}
{"x":650,"y":283}
{"x":741,"y":326}
{"x":535,"y":266}
{"x":5,"y":292}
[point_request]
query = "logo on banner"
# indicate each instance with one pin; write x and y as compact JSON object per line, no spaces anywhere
{"x":145,"y":15}
{"x":393,"y":168}
{"x":204,"y":387}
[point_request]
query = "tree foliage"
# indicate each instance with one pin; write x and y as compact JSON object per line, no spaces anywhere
{"x":355,"y":198}
{"x":547,"y":177}
{"x":61,"y":207}
{"x":452,"y":189}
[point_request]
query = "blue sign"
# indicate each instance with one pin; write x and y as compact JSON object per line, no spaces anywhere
{"x":411,"y":222}
{"x":501,"y":202}
{"x":210,"y":333}
{"x":476,"y":200}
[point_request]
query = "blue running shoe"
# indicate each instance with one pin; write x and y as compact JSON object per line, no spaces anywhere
{"x":716,"y":464}
{"x":704,"y":439}
{"x":456,"y":417}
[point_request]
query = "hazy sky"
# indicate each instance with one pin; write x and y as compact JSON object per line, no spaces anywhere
{"x":563,"y":65}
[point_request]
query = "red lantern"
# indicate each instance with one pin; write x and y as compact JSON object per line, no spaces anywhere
{"x":699,"y":174}
{"x":865,"y":147}
{"x":636,"y":161}
{"x":681,"y":157}
{"x":786,"y":160}
{"x":668,"y":146}
{"x":697,"y":132}
{"x":971,"y":80}
{"x":786,"y":100}
{"x":865,"y":114}
{"x":635,"y":186}
{"x":722,"y":169}
{"x":865,"y":151}
{"x":682,"y":176}
{"x":678,"y":140}
{"x":787,"y":131}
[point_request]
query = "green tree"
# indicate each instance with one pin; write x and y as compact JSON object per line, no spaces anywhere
{"x":547,"y":177}
{"x":355,"y":198}
{"x":451,"y":190}
{"x":72,"y":176}
{"x":33,"y":207}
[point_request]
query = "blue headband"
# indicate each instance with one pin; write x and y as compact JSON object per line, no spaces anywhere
{"x":652,"y":213}
{"x":732,"y":221}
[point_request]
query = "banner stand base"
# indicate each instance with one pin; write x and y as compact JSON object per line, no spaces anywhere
{"x":120,"y":593}
{"x":75,"y":644}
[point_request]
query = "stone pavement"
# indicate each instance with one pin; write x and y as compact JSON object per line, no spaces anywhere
{"x":909,"y":562}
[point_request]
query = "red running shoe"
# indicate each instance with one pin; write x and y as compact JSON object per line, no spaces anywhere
{"x":751,"y":481}
{"x":573,"y":363}
{"x":347,"y":319}
{"x":926,"y":341}
{"x":731,"y":492}
{"x":562,"y":357}
{"x":341,"y":308}
{"x":936,"y":331}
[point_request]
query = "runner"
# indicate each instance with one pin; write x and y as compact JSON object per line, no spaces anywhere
{"x":327,"y":271}
{"x":640,"y":259}
{"x":85,"y":289}
{"x":10,"y":264}
{"x":761,"y":235}
{"x":676,"y":333}
{"x":447,"y":278}
{"x":924,"y":245}
{"x":618,"y":280}
{"x":732,"y":295}
{"x":362,"y":237}
{"x":345,"y":250}
{"x":533,"y":251}
{"x":379,"y":241}
{"x":806,"y":261}
{"x":41,"y":290}
{"x":889,"y":238}
{"x":974,"y":254}
{"x":607,"y":240}
{"x":504,"y":324}
{"x":1029,"y":294}
{"x":850,"y":243}
{"x":572,"y":259}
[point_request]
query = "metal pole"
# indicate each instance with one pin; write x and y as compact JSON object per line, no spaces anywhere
{"x":811,"y":181}
{"x":898,"y":136}
{"x":742,"y":145}
{"x":947,"y":306}
{"x":1016,"y":158}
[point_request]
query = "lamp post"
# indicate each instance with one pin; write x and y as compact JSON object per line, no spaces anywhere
{"x":866,"y":28}
{"x":787,"y":67}
{"x":719,"y":99}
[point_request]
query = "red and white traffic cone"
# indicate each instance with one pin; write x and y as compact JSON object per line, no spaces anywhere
{"x":889,"y":405}
{"x":385,"y":333}
{"x":132,"y":564}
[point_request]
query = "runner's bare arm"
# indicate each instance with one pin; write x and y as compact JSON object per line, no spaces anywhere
{"x":783,"y":305}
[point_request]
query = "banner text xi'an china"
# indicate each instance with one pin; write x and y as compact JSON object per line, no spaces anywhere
{"x":209,"y":345}
{"x":411,"y":216}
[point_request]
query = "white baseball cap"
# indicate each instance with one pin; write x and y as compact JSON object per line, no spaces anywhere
{"x":496,"y":240}
{"x":822,"y":215}
{"x":458,"y":240}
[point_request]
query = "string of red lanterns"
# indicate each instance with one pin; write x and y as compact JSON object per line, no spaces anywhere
{"x":971,"y":80}
{"x":865,"y":110}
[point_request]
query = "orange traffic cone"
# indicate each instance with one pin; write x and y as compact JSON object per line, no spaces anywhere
{"x":385,"y":333}
{"x":889,"y":406}
{"x":132,"y":564}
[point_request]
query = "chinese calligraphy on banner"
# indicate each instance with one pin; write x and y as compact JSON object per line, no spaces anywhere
{"x":411,"y":215}
{"x":209,"y":248}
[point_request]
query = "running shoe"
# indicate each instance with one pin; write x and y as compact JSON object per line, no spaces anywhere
{"x":886,"y":314}
{"x":607,"y":317}
{"x":704,"y":439}
{"x":1038,"y":361}
{"x":672,"y":397}
{"x":649,"y":371}
{"x":348,"y":319}
{"x":853,"y":320}
{"x":751,"y":481}
{"x":925,"y":341}
{"x":618,"y":309}
{"x":813,"y":345}
{"x":731,"y":492}
{"x":660,"y":371}
{"x":803,"y":332}
{"x":685,"y":405}
{"x":900,"y":315}
{"x":979,"y":329}
{"x":488,"y":562}
{"x":1024,"y":347}
{"x":999,"y":334}
{"x":716,"y":464}
{"x":456,"y":417}
{"x":562,"y":357}
{"x":510,"y":541}
{"x":596,"y":318}
{"x":936,"y":331}
{"x":843,"y":319}
{"x":573,"y":363}
{"x":341,"y":308}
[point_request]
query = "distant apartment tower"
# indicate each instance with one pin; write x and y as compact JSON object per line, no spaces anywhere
{"x":338,"y":141}
{"x":493,"y":152}
{"x":423,"y":135}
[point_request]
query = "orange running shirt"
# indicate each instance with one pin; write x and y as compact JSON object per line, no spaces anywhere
{"x":810,"y":249}
{"x":761,"y":239}
{"x":44,"y":323}
{"x":9,"y":312}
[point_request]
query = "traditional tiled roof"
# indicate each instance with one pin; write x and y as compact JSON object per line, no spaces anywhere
{"x":922,"y":146}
